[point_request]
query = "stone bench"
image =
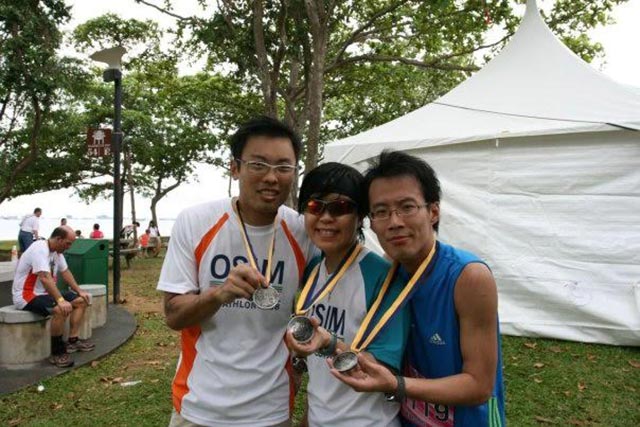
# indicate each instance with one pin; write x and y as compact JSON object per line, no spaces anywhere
{"x":98,"y":307}
{"x":84,"y":329}
{"x":25,"y":338}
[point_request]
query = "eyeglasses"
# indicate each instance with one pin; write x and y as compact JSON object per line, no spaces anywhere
{"x":262,"y":168}
{"x":405,"y":210}
{"x":335,"y":208}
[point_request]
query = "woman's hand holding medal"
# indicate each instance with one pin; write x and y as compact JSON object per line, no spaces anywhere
{"x":320,"y":339}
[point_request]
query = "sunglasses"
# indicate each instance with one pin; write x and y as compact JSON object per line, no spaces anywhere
{"x":335,"y":207}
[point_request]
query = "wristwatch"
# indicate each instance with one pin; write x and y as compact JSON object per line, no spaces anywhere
{"x":400,"y":393}
{"x":330,"y":349}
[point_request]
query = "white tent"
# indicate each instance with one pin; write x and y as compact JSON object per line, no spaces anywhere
{"x":538,"y":155}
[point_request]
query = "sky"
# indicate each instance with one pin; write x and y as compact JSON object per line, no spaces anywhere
{"x":622,"y":63}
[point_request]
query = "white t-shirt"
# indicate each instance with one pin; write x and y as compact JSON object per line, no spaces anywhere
{"x":153,"y":232}
{"x":30,"y":223}
{"x":231,"y":370}
{"x":35,"y":259}
{"x":330,"y":402}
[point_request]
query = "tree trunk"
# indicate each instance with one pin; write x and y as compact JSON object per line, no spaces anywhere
{"x":160,"y":193}
{"x":291,"y":119}
{"x":127,"y":166}
{"x":318,"y":25}
{"x":268,"y":89}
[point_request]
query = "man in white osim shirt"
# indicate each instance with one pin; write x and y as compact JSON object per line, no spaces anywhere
{"x":234,"y":368}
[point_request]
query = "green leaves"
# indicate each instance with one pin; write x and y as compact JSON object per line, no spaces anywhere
{"x":28,"y":86}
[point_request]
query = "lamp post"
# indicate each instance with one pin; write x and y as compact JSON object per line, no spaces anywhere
{"x":112,"y":57}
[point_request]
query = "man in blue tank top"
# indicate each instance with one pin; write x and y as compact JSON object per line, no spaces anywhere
{"x":453,"y":365}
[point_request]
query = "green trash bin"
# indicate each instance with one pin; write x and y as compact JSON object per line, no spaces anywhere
{"x":88,"y":261}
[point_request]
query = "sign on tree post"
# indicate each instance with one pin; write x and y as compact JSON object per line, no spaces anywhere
{"x":99,"y":142}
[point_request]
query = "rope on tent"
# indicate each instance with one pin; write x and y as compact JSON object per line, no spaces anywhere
{"x":559,"y":119}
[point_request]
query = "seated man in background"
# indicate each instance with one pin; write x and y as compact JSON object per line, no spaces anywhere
{"x":34,"y":289}
{"x":96,"y":233}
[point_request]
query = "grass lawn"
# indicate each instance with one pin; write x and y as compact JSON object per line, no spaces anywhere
{"x":548,"y":382}
{"x":6,"y":245}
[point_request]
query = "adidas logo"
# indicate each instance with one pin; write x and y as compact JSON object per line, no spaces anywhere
{"x":435,"y":339}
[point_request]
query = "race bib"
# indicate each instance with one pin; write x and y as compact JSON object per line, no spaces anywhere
{"x":425,"y":414}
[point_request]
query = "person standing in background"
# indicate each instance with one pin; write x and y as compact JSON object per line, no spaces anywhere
{"x":154,"y":236}
{"x":63,"y":222}
{"x":29,"y":227}
{"x":128,"y":230}
{"x":144,"y":242}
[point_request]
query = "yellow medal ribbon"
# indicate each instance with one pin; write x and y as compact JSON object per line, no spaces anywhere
{"x":249,"y":248}
{"x":305,"y":302}
{"x":360,"y":342}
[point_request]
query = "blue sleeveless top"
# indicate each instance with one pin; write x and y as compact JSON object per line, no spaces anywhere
{"x":433,"y":350}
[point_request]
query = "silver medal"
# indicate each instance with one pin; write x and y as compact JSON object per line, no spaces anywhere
{"x":266,"y":298}
{"x":301,"y":329}
{"x":346,"y":361}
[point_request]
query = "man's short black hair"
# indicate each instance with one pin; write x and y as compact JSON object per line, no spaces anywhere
{"x":37,"y":210}
{"x":391,"y":164}
{"x":263,"y":126}
{"x":61,"y":232}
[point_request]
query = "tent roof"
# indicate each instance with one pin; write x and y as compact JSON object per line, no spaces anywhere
{"x":535,"y":86}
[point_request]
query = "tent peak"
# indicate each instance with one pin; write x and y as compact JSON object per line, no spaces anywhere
{"x":532,"y":12}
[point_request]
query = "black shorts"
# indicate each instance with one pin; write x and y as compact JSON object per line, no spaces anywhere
{"x":44,"y":304}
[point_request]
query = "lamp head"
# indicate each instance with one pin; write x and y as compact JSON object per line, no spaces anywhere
{"x":112,"y":57}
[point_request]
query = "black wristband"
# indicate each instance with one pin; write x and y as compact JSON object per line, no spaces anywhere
{"x":400,"y":393}
{"x":330,"y":349}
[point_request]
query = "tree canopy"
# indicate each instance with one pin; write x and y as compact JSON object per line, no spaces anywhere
{"x":32,"y":80}
{"x":170,"y":122}
{"x":330,"y":68}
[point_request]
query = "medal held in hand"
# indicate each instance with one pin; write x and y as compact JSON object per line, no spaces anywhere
{"x":269,"y":297}
{"x":345,"y":361}
{"x":301,"y":329}
{"x":369,"y":329}
{"x":300,"y":325}
{"x":266,"y":298}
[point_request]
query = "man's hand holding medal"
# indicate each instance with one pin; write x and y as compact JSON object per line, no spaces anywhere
{"x":242,"y":282}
